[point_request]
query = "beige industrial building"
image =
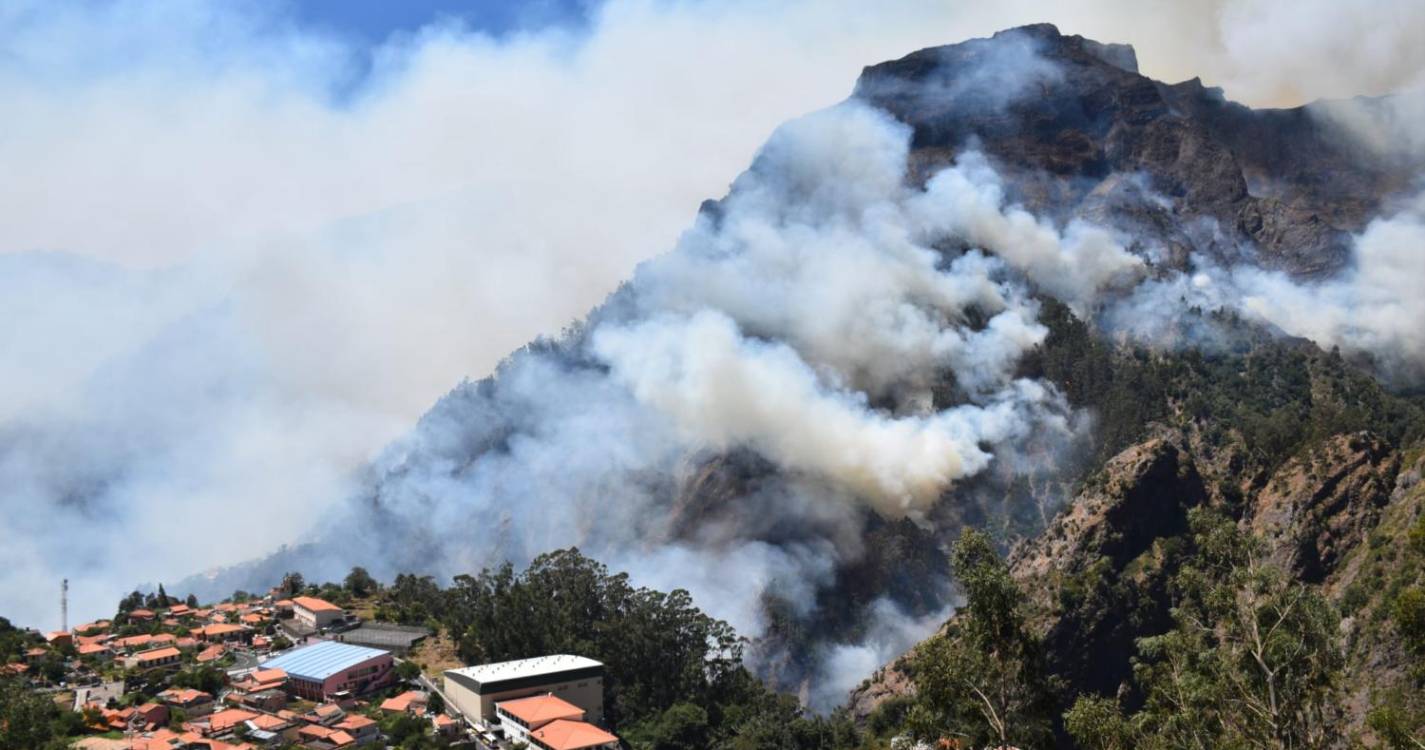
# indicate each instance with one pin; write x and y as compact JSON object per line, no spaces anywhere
{"x":576,"y":679}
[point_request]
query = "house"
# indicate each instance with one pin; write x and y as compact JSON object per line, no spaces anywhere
{"x":164,"y":639}
{"x":322,"y":670}
{"x":221,"y":722}
{"x":320,"y":738}
{"x":261,"y":700}
{"x":522,"y":716}
{"x":476,"y":690}
{"x":186,"y":643}
{"x":223,"y":633}
{"x":362,"y":729}
{"x":210,"y":654}
{"x":167,"y":739}
{"x":96,"y":651}
{"x":142,"y":615}
{"x":180,"y":610}
{"x":268,"y":723}
{"x":445,"y":726}
{"x":154,"y":658}
{"x":315,"y":613}
{"x":92,"y":628}
{"x":59,"y":638}
{"x":409,"y":702}
{"x":564,"y":734}
{"x":193,"y":702}
{"x":35,"y":654}
{"x":327,"y":714}
{"x":132,"y":643}
{"x":259,"y":680}
{"x":252,"y":619}
{"x":149,"y":716}
{"x":86,"y":640}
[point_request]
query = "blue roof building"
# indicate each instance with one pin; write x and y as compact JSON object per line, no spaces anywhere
{"x":318,"y":671}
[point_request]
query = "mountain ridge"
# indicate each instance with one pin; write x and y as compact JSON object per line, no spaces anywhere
{"x":1056,"y":128}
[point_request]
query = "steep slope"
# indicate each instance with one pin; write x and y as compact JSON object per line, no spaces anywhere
{"x":1336,"y":514}
{"x":935,"y":305}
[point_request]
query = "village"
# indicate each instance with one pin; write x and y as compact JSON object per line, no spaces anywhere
{"x":298,"y":671}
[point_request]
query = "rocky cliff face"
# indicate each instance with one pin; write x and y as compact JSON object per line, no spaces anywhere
{"x":1098,"y":574}
{"x":1070,"y":118}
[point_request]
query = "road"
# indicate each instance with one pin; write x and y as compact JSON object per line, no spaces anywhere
{"x":450,"y":707}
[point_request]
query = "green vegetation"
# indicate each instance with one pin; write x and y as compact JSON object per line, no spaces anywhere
{"x":674,"y":675}
{"x":33,"y":721}
{"x":1252,"y":660}
{"x":1275,"y":396}
{"x":983,"y":681}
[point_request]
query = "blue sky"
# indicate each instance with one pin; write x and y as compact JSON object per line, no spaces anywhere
{"x":373,"y":21}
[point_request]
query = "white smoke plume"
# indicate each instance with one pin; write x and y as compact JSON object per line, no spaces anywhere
{"x":748,"y":336}
{"x":1373,"y":307}
{"x":237,"y":280}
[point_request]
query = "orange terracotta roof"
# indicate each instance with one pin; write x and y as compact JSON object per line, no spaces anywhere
{"x":57,"y":635}
{"x":155,"y":654}
{"x":355,"y":722}
{"x":89,"y":649}
{"x":317,"y":731}
{"x":563,"y":734}
{"x":228,"y":718}
{"x":269,"y":723}
{"x":268,"y":675}
{"x":212,"y":630}
{"x":164,"y":638}
{"x":327,"y":709}
{"x":539,"y":709}
{"x":340,"y":739}
{"x":183,"y":695}
{"x":313,"y":604}
{"x":403,"y":701}
{"x":211,"y":653}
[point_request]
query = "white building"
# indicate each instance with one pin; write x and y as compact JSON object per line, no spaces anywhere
{"x":574,"y":679}
{"x":315,"y":613}
{"x":522,"y":716}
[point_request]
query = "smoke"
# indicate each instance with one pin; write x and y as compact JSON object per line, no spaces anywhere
{"x":287,"y":263}
{"x":1374,"y":307}
{"x":242,"y":268}
{"x":825,"y":317}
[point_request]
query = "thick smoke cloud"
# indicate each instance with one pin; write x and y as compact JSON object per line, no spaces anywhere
{"x":1372,"y":308}
{"x":752,"y":336}
{"x":239,"y":276}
